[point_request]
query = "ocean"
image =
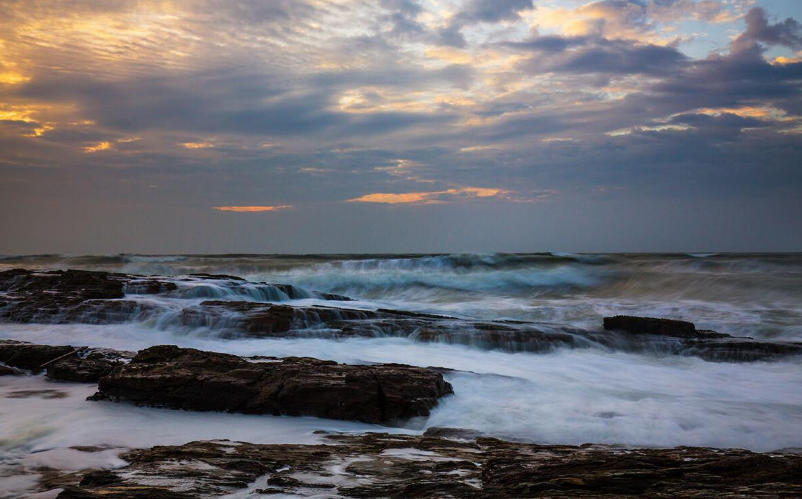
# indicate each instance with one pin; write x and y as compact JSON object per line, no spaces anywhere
{"x":593,"y":394}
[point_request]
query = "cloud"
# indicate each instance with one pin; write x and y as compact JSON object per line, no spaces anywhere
{"x":566,"y":98}
{"x":480,"y":11}
{"x":492,"y":11}
{"x":197,"y":145}
{"x":787,"y":33}
{"x":432,"y":197}
{"x":594,"y":55}
{"x":100,"y":146}
{"x":252,"y":209}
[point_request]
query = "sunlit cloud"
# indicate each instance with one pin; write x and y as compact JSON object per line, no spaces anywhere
{"x":252,"y":209}
{"x":12,"y":78}
{"x":197,"y":145}
{"x":479,"y":148}
{"x":432,"y":197}
{"x":100,"y":146}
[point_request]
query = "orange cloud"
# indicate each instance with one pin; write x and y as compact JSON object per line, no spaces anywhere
{"x":197,"y":145}
{"x":101,"y":146}
{"x":251,"y":209}
{"x":430,"y":197}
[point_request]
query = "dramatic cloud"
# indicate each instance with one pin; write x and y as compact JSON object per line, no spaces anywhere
{"x":138,"y":117}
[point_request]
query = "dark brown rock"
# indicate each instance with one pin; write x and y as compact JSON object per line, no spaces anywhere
{"x":456,"y":433}
{"x":79,"y":296}
{"x":63,"y":296}
{"x":87,"y":366}
{"x":27,"y":356}
{"x":64,"y":363}
{"x":409,"y":467}
{"x":9,"y":371}
{"x":183,"y":378}
{"x":657,"y":327}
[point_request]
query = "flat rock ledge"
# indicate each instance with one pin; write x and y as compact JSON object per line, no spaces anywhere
{"x":185,"y":378}
{"x":410,"y":467}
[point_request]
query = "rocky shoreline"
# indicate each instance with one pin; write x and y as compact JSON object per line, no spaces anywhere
{"x":442,"y":462}
{"x":73,"y":296}
{"x":463,"y":466}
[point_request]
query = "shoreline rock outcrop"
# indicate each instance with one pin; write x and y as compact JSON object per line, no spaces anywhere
{"x":411,"y":467}
{"x":74,"y":296}
{"x":185,"y":378}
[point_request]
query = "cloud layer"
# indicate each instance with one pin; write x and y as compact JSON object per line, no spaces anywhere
{"x":159,"y":115}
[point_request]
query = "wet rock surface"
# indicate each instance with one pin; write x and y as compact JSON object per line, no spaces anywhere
{"x":9,"y":371}
{"x":28,"y":356}
{"x":63,"y":363}
{"x":657,"y":336}
{"x":185,"y":378}
{"x":88,"y":365}
{"x":396,"y":466}
{"x":658,"y":327}
{"x":66,"y":296}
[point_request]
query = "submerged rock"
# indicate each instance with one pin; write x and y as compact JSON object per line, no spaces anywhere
{"x":399,"y":466}
{"x":185,"y":378}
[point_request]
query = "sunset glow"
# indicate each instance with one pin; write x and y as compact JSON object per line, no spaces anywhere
{"x":248,"y":209}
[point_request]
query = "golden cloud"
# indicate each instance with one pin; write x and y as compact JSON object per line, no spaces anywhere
{"x":100,"y":146}
{"x":252,"y":209}
{"x":432,"y":197}
{"x":197,"y":145}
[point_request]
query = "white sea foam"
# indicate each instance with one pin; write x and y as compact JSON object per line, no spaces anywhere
{"x":570,"y":396}
{"x":40,"y":427}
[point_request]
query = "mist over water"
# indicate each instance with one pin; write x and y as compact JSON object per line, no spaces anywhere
{"x":564,"y":396}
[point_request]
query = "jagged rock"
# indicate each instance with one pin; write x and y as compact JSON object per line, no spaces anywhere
{"x":409,"y":467}
{"x":64,"y":363}
{"x":185,"y":378}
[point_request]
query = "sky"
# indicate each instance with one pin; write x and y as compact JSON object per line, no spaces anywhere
{"x":351,"y":126}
